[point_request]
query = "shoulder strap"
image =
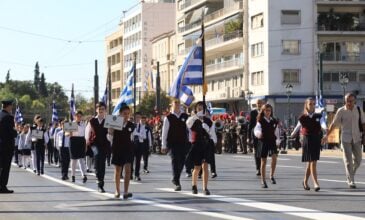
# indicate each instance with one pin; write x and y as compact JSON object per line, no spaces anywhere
{"x":360,"y":124}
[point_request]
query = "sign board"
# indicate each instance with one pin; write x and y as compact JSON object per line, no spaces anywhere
{"x":330,"y":108}
{"x":70,"y":126}
{"x":331,"y":101}
{"x":113,"y":121}
{"x":37,"y":134}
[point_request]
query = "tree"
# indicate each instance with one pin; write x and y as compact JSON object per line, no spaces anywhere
{"x":36,"y":77}
{"x":148,"y":103}
{"x":43,"y":87}
{"x":7,"y":78}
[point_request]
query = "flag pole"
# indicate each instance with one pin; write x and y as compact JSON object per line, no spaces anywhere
{"x":109,"y":89}
{"x":203,"y":59}
{"x":134,"y":83}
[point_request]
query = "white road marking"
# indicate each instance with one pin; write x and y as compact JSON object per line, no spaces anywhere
{"x":284,"y":209}
{"x":295,"y":167}
{"x":340,"y":181}
{"x":251,"y":158}
{"x":153,"y":202}
{"x":327,"y":161}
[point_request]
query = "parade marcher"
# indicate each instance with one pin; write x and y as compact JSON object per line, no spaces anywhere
{"x":219,"y":125}
{"x":157,"y":130}
{"x":7,"y":135}
{"x":310,"y":124}
{"x":122,"y":151}
{"x":251,"y":136}
{"x":233,"y":134}
{"x":147,"y":143}
{"x":175,"y":139}
{"x":202,"y":137}
{"x":25,"y":145}
{"x":50,"y":145}
{"x":138,"y":137}
{"x":78,"y":148}
{"x":227,"y":138}
{"x":95,"y":136}
{"x":40,"y":145}
{"x":351,"y":119}
{"x":267,"y":132}
{"x":17,"y":153}
{"x":34,"y":140}
{"x":242,"y":128}
{"x":62,"y":142}
{"x":56,"y":153}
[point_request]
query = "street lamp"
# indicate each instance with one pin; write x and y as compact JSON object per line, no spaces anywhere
{"x":248,"y":97}
{"x":289,"y":89}
{"x":344,"y":80}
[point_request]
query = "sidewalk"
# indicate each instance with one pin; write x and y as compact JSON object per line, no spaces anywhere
{"x":325,"y":152}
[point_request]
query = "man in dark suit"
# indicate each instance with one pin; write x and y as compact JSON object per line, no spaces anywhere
{"x":7,"y":142}
{"x":251,"y":137}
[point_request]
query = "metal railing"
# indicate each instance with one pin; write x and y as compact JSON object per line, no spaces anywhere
{"x":223,"y":38}
{"x":224,"y":65}
{"x":344,"y":57}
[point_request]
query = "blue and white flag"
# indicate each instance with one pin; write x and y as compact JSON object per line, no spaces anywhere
{"x":72,"y":104}
{"x":319,"y":107}
{"x":192,"y":69}
{"x":105,"y":96}
{"x":18,"y":115}
{"x":54,"y":112}
{"x":126,"y":96}
{"x":210,"y":108}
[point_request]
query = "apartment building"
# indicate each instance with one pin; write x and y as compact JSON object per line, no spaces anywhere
{"x":141,"y":23}
{"x":164,"y":51}
{"x":114,"y":57}
{"x":223,"y":22}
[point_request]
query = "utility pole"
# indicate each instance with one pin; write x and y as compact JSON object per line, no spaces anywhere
{"x":158,"y":89}
{"x":109,"y":90}
{"x":134,"y":83}
{"x":96,"y":86}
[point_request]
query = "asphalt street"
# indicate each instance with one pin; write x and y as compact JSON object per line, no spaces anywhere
{"x":236,"y":194}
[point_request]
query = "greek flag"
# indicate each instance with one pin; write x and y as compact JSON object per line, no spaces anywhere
{"x":54,"y":112}
{"x":126,"y":96}
{"x":18,"y":115}
{"x":105,"y":96}
{"x":319,"y":107}
{"x":72,"y":104}
{"x":190,"y":73}
{"x":209,"y":108}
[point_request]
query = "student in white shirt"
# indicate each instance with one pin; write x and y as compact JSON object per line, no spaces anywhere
{"x":62,"y":141}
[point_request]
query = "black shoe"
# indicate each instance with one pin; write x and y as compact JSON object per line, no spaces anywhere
{"x":317,"y":188}
{"x":73,"y":179}
{"x":6,"y":191}
{"x":306,"y":187}
{"x":178,"y":188}
{"x":127,"y":195}
{"x":63,"y":178}
{"x":34,"y":171}
{"x":263,"y":184}
{"x":206,"y":192}
{"x":84,"y":179}
{"x":101,"y":189}
{"x":137,"y":178}
{"x":273,"y":181}
{"x":214,"y":175}
{"x":117,"y":195}
{"x":258,"y":173}
{"x":194,"y":190}
{"x":146,"y":171}
{"x":38,"y":174}
{"x":42,"y":172}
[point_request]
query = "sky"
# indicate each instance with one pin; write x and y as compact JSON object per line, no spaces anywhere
{"x":64,"y":36}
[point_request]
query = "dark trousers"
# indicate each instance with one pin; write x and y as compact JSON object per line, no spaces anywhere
{"x":99,"y":166}
{"x":212,"y":159}
{"x":145,"y":155}
{"x":138,"y":152}
{"x":40,"y":152}
{"x":243,"y":143}
{"x":56,"y":155}
{"x":16,"y":157}
{"x":50,"y":149}
{"x":65,"y":158}
{"x":5,"y":164}
{"x":257,"y":159}
{"x":178,"y":155}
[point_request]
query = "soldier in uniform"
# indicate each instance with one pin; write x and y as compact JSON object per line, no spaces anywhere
{"x":7,"y":137}
{"x":227,"y":139}
{"x":219,"y":125}
{"x":233,"y":134}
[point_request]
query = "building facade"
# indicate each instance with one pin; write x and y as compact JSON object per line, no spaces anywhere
{"x":114,"y":57}
{"x":224,"y":57}
{"x":145,"y":21}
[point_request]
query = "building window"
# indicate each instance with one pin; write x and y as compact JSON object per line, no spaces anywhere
{"x":290,"y":46}
{"x":257,"y":49}
{"x":290,"y":17}
{"x":257,"y":21}
{"x":257,"y":78}
{"x":362,"y":77}
{"x":291,"y":76}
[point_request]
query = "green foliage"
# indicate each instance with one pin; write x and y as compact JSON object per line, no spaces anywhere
{"x":84,"y":105}
{"x":43,"y":87}
{"x":148,"y":103}
{"x":235,"y":25}
{"x":36,"y":77}
{"x":7,"y":78}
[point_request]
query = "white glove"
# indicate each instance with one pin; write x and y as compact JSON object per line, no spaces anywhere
{"x":206,"y":127}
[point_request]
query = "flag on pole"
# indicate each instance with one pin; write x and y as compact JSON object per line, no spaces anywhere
{"x":106,"y":92}
{"x":210,"y":108}
{"x":126,"y":96}
{"x":319,"y":106}
{"x":18,"y":115}
{"x":54,"y":112}
{"x":152,"y":84}
{"x":72,"y":104}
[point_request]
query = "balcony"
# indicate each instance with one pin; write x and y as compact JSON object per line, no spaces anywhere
{"x":344,"y":57}
{"x":340,"y":2}
{"x":339,"y":22}
{"x":189,"y":3}
{"x":229,"y":65}
{"x":219,"y":40}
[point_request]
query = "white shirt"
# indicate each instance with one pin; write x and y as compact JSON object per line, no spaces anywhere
{"x":59,"y":138}
{"x":165,"y":129}
{"x":25,"y":141}
{"x":258,"y":131}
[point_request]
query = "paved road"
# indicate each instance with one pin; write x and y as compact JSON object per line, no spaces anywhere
{"x":236,"y":194}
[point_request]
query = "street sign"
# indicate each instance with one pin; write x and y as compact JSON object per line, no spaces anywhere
{"x":331,"y":101}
